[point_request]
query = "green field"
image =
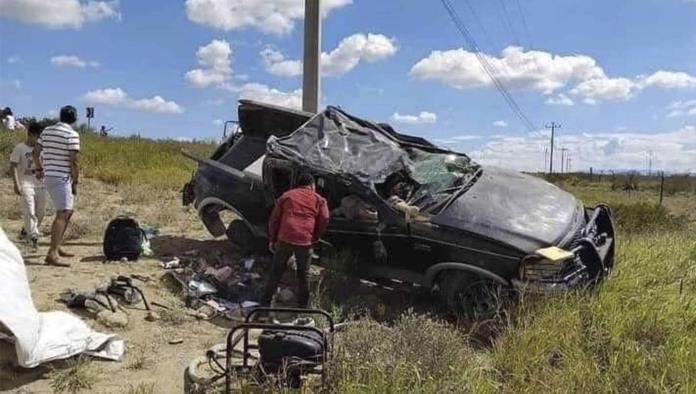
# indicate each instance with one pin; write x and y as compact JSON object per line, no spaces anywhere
{"x":130,"y":160}
{"x":635,"y":333}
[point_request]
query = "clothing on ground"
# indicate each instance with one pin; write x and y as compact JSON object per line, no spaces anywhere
{"x":299,"y":217}
{"x":283,"y":252}
{"x":22,"y":157}
{"x":57,"y":142}
{"x":60,"y":190}
{"x":40,"y":337}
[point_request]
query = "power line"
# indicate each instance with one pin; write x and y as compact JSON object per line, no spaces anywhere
{"x":508,"y":22}
{"x":487,"y":67}
{"x":489,"y":38}
{"x":525,"y":26}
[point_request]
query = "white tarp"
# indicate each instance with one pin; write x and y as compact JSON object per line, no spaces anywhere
{"x":43,"y":336}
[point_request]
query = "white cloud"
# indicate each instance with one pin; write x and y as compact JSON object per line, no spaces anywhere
{"x":594,"y":90}
{"x":536,"y":70}
{"x":263,"y":93}
{"x":674,"y":150}
{"x":543,"y":72}
{"x":183,"y":139}
{"x":560,"y":99}
{"x":218,"y":122}
{"x":59,"y":14}
{"x":421,"y":118}
{"x":14,"y":60}
{"x":342,"y":59}
{"x":669,"y":79}
{"x":118,"y":97}
{"x":276,"y":64}
{"x":682,"y":108}
{"x":215,"y":60}
{"x":269,"y":16}
{"x":500,"y":123}
{"x":72,"y":61}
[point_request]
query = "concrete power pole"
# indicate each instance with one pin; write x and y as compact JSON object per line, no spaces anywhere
{"x":553,"y":128}
{"x":563,"y":151}
{"x":311,"y":77}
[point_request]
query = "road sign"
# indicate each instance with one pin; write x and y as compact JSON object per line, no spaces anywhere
{"x":90,"y":112}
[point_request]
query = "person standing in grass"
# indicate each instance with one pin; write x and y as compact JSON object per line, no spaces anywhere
{"x":59,"y":149}
{"x":28,"y":186}
{"x":298,"y":221}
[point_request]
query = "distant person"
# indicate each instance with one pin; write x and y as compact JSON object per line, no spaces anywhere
{"x":60,"y":146}
{"x":8,"y":120}
{"x":298,"y":221}
{"x":104,"y":132}
{"x":28,"y":186}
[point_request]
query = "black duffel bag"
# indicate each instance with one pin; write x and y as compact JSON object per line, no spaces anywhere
{"x":277,"y":345}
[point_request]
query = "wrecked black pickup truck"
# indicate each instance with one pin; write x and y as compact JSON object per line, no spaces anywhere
{"x":476,"y":229}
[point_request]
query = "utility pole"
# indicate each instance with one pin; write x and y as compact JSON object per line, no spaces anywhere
{"x":553,"y":128}
{"x":563,"y":151}
{"x":311,"y":77}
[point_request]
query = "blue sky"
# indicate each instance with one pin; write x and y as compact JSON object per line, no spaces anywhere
{"x":620,"y":75}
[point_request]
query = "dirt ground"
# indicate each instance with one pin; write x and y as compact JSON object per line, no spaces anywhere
{"x":150,"y":361}
{"x":149,"y":358}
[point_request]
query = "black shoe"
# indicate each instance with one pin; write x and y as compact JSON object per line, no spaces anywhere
{"x":22,"y":235}
{"x":35,"y":243}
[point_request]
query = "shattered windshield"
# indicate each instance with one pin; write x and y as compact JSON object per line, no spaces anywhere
{"x":439,"y":175}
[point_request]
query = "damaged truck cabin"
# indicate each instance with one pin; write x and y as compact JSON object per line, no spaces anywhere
{"x":460,"y":227}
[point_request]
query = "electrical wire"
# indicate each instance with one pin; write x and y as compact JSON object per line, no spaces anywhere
{"x":487,"y":67}
{"x":508,"y":22}
{"x":494,"y":45}
{"x":525,"y":26}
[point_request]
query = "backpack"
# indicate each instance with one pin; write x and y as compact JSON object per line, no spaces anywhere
{"x":123,"y":239}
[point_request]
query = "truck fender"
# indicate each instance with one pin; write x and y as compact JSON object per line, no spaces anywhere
{"x":432,"y":272}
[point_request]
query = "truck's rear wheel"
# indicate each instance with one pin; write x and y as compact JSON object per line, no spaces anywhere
{"x":243,"y":239}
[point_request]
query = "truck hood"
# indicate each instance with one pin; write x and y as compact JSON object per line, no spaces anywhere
{"x":520,"y":210}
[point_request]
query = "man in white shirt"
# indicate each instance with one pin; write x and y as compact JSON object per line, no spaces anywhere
{"x":28,"y":186}
{"x":8,"y":120}
{"x":60,"y":146}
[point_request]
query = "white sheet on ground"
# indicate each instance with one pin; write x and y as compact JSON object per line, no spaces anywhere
{"x":43,"y":336}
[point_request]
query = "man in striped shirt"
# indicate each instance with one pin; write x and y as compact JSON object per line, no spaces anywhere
{"x":59,"y":150}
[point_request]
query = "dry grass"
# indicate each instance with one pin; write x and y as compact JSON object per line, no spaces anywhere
{"x":76,"y":377}
{"x":141,"y":388}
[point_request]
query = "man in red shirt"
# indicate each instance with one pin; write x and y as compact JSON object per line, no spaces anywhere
{"x":298,"y":220}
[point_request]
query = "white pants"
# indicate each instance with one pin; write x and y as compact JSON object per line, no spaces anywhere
{"x":33,"y":207}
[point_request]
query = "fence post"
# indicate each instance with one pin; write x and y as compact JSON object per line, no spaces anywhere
{"x":662,"y":185}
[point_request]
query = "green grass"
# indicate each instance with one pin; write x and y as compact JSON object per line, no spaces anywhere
{"x":132,"y":160}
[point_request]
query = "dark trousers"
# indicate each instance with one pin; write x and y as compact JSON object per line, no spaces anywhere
{"x":283,"y":252}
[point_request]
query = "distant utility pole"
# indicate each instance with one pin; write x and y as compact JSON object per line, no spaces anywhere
{"x":563,"y":151}
{"x":553,"y":126}
{"x":650,"y":157}
{"x":311,"y":77}
{"x":568,"y":163}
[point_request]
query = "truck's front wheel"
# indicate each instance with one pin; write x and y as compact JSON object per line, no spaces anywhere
{"x":471,"y":297}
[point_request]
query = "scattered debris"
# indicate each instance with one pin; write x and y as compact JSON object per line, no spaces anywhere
{"x":173,"y":263}
{"x":176,"y":341}
{"x":111,"y":319}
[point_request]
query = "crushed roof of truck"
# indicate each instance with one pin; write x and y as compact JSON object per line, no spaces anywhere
{"x":337,"y":142}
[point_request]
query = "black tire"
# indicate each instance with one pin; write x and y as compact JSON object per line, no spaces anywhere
{"x":243,"y":239}
{"x":473,"y":298}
